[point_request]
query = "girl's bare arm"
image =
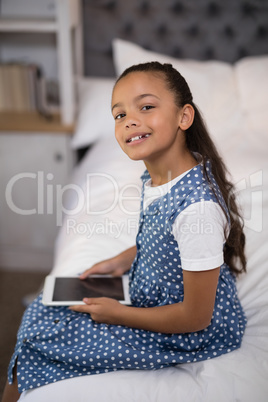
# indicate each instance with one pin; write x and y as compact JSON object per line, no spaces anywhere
{"x":192,"y":314}
{"x":115,"y":266}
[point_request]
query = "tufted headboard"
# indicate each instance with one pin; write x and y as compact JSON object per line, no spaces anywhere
{"x":198,"y":29}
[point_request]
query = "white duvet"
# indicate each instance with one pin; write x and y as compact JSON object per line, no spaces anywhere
{"x":239,"y":376}
{"x":105,"y":224}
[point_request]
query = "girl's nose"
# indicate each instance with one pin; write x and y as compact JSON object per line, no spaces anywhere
{"x":132,"y":121}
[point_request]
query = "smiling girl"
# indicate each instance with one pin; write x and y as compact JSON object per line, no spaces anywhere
{"x":185,"y":306}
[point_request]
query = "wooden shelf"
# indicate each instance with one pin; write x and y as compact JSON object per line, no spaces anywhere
{"x":32,"y":122}
{"x":27,"y":25}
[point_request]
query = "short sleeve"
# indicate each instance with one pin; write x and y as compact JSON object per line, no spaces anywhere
{"x":200,"y":233}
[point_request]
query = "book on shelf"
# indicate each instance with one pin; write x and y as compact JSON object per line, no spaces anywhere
{"x":23,"y":88}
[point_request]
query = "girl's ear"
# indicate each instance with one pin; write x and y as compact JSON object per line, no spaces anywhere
{"x":186,"y":116}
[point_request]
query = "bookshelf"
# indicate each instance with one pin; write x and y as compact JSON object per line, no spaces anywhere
{"x":36,"y":160}
{"x":30,"y":122}
{"x":66,"y":26}
{"x":28,"y":25}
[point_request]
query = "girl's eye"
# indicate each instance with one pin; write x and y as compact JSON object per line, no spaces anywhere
{"x":119,"y":116}
{"x":147,"y":107}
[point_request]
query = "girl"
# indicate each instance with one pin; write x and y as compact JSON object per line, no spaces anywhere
{"x":189,"y":245}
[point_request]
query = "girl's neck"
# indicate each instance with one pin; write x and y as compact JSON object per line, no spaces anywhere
{"x":162,"y":172}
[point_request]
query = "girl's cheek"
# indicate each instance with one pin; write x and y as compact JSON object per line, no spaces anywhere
{"x":116,"y":131}
{"x":118,"y":137}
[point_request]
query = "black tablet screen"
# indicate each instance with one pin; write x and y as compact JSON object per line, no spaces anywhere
{"x":74,"y":289}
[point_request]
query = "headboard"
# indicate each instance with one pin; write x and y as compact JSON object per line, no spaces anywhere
{"x":197,"y":29}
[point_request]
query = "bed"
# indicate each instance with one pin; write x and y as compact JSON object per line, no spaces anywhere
{"x":222,"y":50}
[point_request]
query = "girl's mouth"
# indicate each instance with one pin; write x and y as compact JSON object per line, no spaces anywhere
{"x":137,"y":137}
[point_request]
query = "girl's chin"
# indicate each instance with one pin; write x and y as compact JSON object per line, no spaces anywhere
{"x":134,"y":157}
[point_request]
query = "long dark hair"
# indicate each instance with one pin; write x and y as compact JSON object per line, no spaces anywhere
{"x":198,"y":140}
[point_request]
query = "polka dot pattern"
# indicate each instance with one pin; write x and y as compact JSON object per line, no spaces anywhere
{"x":55,"y":343}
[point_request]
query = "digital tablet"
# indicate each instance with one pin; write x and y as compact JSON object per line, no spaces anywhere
{"x":67,"y":291}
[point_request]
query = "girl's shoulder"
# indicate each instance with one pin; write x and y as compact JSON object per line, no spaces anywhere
{"x":198,"y":185}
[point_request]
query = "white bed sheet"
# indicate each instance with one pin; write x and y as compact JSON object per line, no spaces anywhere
{"x":239,"y":376}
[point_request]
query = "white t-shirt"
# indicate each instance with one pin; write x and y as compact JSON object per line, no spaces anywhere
{"x":198,"y":229}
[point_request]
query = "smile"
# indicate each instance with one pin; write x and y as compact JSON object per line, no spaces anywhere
{"x":138,"y":137}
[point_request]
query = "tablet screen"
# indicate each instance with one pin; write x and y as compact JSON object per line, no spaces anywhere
{"x":73,"y":289}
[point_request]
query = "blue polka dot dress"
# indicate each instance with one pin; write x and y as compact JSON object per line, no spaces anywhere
{"x":55,"y":343}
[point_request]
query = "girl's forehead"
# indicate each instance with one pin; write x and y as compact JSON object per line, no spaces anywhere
{"x":140,"y":82}
{"x":142,"y":78}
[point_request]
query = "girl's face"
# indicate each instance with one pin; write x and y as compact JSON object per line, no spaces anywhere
{"x":147,"y":119}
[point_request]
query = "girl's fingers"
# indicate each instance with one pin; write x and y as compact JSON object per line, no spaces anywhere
{"x":78,"y":308}
{"x":88,"y":272}
{"x":81,"y":308}
{"x":85,"y":274}
{"x":99,"y":268}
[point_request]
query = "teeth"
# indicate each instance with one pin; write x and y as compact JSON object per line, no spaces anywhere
{"x":138,"y":137}
{"x":135,"y":138}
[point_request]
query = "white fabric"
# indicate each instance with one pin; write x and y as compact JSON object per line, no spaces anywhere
{"x":252,"y":84}
{"x":94,"y":105}
{"x":105,"y":221}
{"x":252,"y":81}
{"x":238,"y":376}
{"x":198,"y":230}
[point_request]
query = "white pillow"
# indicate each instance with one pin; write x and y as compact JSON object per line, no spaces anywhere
{"x":252,"y":82}
{"x":212,"y":84}
{"x":95,"y":120}
{"x":252,"y":79}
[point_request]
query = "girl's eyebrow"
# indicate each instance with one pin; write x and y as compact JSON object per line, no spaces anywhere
{"x":145,"y":95}
{"x":116,"y":105}
{"x":139,"y":97}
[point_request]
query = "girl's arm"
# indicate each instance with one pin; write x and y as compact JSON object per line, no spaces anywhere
{"x":116,"y":266}
{"x":192,"y":314}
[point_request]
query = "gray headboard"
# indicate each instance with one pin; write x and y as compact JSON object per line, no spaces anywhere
{"x":198,"y":29}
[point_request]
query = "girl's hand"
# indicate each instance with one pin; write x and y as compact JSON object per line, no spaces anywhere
{"x":102,"y":309}
{"x":191,"y":315}
{"x":115,"y":266}
{"x":106,"y":267}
